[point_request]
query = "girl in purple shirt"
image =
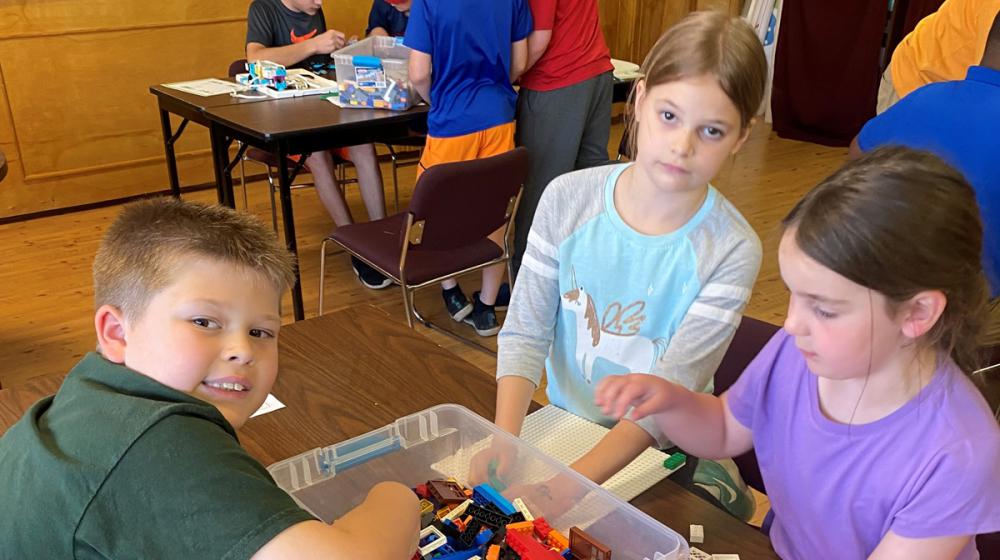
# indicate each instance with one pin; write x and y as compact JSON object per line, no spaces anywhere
{"x":872,"y":441}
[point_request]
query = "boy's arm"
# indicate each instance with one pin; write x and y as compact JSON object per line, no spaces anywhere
{"x":518,"y":59}
{"x":538,"y":41}
{"x":375,"y":28}
{"x":289,"y":55}
{"x":383,"y":527}
{"x":420,"y":73}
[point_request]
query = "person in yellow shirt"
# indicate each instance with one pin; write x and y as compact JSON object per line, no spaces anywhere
{"x":940,"y":48}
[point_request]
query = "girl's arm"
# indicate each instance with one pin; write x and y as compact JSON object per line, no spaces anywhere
{"x":513,"y":398}
{"x":895,"y":547}
{"x":696,"y":422}
{"x":614,"y":452}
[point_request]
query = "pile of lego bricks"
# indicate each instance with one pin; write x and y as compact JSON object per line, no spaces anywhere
{"x":462,"y":524}
{"x":394,"y":96}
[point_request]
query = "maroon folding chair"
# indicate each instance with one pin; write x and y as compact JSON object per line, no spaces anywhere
{"x":749,"y":340}
{"x":443,"y":233}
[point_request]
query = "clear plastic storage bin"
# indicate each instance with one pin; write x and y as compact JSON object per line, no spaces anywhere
{"x":372,"y":73}
{"x":440,"y":442}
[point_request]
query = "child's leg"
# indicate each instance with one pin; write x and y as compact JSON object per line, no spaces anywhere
{"x":369,"y":179}
{"x":492,"y":276}
{"x":321,"y":166}
{"x":597,"y":127}
{"x":550,"y":124}
{"x":495,"y":141}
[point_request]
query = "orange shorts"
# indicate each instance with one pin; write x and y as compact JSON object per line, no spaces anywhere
{"x":482,"y":144}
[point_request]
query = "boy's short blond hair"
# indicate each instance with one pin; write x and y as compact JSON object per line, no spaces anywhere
{"x":149,"y":241}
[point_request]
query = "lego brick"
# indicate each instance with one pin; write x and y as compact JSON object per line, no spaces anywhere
{"x":446,"y":492}
{"x":488,"y":494}
{"x":697,"y":534}
{"x":523,"y":509}
{"x":584,"y":547}
{"x":530,"y":549}
{"x":488,"y":517}
{"x":431,"y":539}
{"x":674,"y":461}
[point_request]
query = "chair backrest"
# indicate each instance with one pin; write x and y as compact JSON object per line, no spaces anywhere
{"x":237,"y":67}
{"x":749,"y":340}
{"x":463,"y":202}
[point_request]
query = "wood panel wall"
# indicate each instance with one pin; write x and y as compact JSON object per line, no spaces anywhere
{"x":78,"y":124}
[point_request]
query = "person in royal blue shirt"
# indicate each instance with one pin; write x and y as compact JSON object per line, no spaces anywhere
{"x":476,"y":49}
{"x":388,"y":18}
{"x":960,"y":122}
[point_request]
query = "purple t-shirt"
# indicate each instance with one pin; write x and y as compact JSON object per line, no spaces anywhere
{"x":929,"y":469}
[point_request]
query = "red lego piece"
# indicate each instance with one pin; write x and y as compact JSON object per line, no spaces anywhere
{"x":542,"y":528}
{"x":421,"y":490}
{"x":530,"y":549}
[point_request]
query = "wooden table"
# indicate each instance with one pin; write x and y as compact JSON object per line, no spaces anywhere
{"x":190,"y":108}
{"x":3,"y":165}
{"x":351,"y":371}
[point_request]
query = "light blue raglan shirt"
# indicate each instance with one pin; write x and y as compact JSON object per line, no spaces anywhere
{"x":595,"y":298}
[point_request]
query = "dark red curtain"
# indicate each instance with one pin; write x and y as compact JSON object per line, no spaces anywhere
{"x":826,"y":70}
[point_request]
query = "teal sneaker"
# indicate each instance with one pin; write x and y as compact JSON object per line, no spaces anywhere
{"x":722,"y":480}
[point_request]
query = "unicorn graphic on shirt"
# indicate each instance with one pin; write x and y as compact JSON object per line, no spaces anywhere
{"x":616,"y":338}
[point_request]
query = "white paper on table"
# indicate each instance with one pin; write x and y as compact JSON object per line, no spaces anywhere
{"x":625,"y":70}
{"x":206,"y":87}
{"x":271,"y":403}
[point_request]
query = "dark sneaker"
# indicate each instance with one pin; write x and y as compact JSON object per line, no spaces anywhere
{"x":483,"y":319}
{"x":454,"y":300}
{"x":503,"y":297}
{"x":369,"y":277}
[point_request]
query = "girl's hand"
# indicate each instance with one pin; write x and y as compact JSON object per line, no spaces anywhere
{"x":644,"y":394}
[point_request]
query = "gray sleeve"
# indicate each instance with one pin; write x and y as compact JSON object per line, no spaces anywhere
{"x":697,"y":348}
{"x":523,"y":343}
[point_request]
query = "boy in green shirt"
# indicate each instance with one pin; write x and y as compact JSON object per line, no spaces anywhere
{"x":136,"y":456}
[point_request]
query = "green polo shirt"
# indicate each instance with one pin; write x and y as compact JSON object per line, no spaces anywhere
{"x":117,"y":465}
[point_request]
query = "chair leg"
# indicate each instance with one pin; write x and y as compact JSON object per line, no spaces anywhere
{"x":407,"y":305}
{"x":243,"y":179}
{"x":322,"y":274}
{"x":395,"y":175}
{"x":271,"y":189}
{"x":430,"y":325}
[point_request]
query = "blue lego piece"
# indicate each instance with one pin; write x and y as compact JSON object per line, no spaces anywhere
{"x":484,"y":537}
{"x":487,"y":495}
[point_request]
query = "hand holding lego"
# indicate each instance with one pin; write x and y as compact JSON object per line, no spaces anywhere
{"x":493,"y":464}
{"x":329,"y":41}
{"x":644,"y":394}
